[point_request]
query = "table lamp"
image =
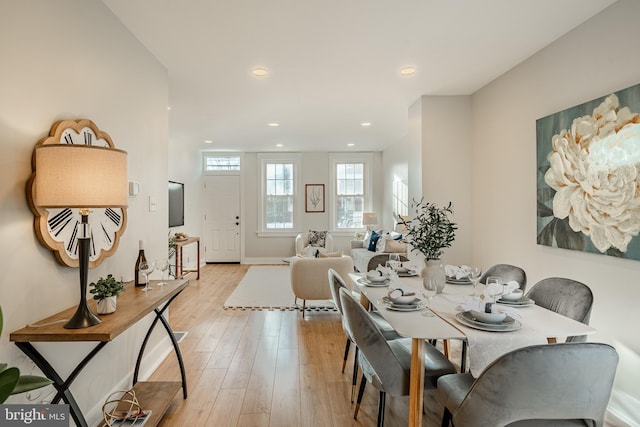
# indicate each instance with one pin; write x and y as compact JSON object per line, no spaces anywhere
{"x":369,"y":219}
{"x":84,"y":177}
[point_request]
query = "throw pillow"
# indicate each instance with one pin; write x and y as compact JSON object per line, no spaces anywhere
{"x":373,"y":241}
{"x":394,"y":246}
{"x":317,"y":238}
{"x":331,"y":254}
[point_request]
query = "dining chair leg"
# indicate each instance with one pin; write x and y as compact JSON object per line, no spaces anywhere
{"x":304,"y":306}
{"x":346,"y":355}
{"x":354,"y":378}
{"x":381,"y":404}
{"x":446,"y":418}
{"x":363,"y":382}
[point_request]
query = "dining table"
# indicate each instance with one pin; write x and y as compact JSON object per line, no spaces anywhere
{"x":534,"y":325}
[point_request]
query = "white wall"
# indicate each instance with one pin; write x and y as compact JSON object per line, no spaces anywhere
{"x":594,"y":60}
{"x":69,"y":59}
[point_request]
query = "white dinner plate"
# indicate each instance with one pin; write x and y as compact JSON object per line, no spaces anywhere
{"x":371,"y":284}
{"x":403,"y":307}
{"x":409,"y":273}
{"x":509,"y":324}
{"x":522,"y":302}
{"x":454,"y":281}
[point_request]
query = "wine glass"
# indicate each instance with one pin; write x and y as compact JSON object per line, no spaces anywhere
{"x":146,"y":268}
{"x":394,"y":261}
{"x":474,"y":274}
{"x":430,"y":289}
{"x":163,"y":266}
{"x":494,"y":287}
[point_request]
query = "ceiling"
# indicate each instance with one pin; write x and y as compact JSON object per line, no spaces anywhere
{"x":333,"y":64}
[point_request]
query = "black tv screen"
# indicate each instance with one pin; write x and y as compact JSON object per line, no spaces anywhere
{"x":176,"y":204}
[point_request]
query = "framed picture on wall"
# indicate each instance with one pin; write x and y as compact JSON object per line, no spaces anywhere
{"x":314,"y":198}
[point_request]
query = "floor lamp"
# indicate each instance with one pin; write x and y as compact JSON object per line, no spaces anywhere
{"x":84,"y":177}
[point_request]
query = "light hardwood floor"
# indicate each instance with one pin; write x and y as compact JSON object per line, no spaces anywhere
{"x":263,"y":368}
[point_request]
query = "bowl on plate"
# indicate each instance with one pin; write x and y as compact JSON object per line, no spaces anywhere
{"x":399,"y":296}
{"x":488,"y":317}
{"x":515,"y":295}
{"x":376,"y":277}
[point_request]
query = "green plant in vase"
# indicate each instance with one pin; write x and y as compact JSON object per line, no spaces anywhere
{"x":105,"y":292}
{"x":429,"y":232}
{"x":11,"y":382}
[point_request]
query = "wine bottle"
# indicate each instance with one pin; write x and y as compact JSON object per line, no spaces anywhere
{"x":140,"y":278}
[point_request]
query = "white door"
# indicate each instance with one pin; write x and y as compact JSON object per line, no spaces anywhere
{"x":222,"y":218}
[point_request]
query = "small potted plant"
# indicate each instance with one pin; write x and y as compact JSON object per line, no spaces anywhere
{"x":105,"y":291}
{"x":429,"y":233}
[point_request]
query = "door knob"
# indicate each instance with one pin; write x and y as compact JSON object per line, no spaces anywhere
{"x":237,"y":223}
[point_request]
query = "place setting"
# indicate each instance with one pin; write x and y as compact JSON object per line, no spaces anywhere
{"x":400,"y":299}
{"x":461,"y":274}
{"x":376,"y":278}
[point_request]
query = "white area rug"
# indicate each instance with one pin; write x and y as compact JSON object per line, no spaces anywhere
{"x":269,"y":288}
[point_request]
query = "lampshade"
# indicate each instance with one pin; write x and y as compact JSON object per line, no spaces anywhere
{"x":369,"y":218}
{"x":80,"y":176}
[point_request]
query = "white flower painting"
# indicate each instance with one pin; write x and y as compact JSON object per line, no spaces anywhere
{"x":589,"y":176}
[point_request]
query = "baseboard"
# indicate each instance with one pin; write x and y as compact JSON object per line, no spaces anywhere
{"x":276,"y":260}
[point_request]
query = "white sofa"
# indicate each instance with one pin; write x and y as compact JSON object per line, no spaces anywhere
{"x":310,"y":277}
{"x":365,"y":260}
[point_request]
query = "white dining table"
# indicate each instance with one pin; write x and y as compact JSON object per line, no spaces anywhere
{"x":539,"y":325}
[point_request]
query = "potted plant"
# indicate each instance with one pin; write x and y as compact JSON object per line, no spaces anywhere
{"x":429,"y":233}
{"x":11,"y":382}
{"x":105,"y":291}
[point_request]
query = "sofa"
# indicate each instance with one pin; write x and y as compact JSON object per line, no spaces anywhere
{"x":310,"y":277}
{"x":366,"y":260}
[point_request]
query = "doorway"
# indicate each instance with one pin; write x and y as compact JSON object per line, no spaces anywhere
{"x":222,"y":218}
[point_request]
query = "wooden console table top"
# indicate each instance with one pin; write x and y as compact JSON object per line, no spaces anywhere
{"x":133,"y":305}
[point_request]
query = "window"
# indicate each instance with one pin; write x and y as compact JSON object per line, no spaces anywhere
{"x":280,"y":194}
{"x":351,"y":190}
{"x":221,"y":163}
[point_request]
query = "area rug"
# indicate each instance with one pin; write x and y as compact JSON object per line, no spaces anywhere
{"x":269,"y":288}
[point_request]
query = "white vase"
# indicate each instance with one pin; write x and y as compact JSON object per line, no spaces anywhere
{"x":434,"y":269}
{"x":107,"y":305}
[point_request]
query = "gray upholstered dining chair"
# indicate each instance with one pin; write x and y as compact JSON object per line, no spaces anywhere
{"x":507,"y":272}
{"x":336,"y":282}
{"x":568,"y":297}
{"x":541,"y":385}
{"x":386,"y":364}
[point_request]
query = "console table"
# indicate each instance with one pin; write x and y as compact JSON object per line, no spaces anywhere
{"x":133,"y":305}
{"x":179,"y":265}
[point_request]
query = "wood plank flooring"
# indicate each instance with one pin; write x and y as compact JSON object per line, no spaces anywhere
{"x":264,"y":368}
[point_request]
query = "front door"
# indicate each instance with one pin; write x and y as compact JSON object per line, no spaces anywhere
{"x":222,"y":218}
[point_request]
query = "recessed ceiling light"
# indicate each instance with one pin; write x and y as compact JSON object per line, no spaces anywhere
{"x":365,"y":124}
{"x":351,"y":144}
{"x":168,"y":108}
{"x":259,"y":71}
{"x":208,"y":141}
{"x":279,"y":145}
{"x":273,"y":124}
{"x":409,"y":70}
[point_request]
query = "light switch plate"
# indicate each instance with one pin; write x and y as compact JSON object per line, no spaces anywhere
{"x":153,"y":205}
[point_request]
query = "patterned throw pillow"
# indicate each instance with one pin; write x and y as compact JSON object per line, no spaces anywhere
{"x":317,"y":238}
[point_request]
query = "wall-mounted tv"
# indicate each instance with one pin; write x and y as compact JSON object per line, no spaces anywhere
{"x":176,"y":204}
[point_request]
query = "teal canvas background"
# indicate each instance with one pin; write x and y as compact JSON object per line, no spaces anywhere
{"x":555,"y":232}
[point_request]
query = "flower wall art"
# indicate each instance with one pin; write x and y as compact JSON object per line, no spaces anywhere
{"x":588,"y":176}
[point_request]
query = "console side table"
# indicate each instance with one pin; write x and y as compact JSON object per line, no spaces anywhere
{"x":133,"y":305}
{"x":179,"y":265}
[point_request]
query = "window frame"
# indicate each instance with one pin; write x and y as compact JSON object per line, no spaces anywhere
{"x":271,"y":158}
{"x":206,"y":155}
{"x":340,"y":158}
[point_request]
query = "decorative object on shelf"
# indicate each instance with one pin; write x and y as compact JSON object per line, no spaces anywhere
{"x":587,"y":180}
{"x":11,"y":382}
{"x":105,"y":291}
{"x":76,"y":171}
{"x":314,"y":198}
{"x":429,"y":233}
{"x":122,"y":408}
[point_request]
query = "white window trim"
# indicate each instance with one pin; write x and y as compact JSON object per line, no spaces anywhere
{"x":221,"y":154}
{"x":296,"y":159}
{"x":334,"y":159}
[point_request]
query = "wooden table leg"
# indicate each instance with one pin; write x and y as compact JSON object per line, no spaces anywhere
{"x":416,"y":385}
